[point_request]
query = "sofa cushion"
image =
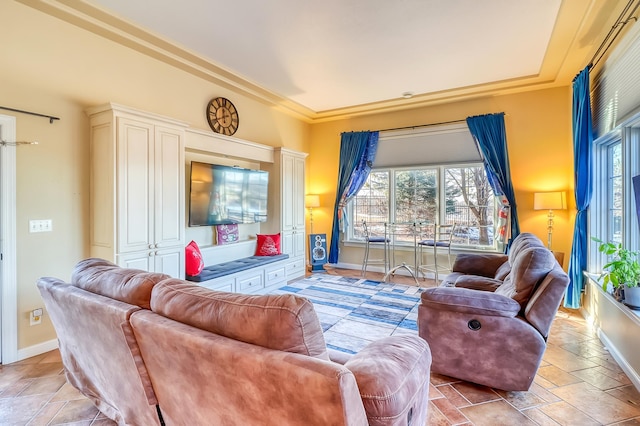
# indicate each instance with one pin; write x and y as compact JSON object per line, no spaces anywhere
{"x":102,"y":277}
{"x":268,"y":245}
{"x":226,"y":268}
{"x":393,"y":379}
{"x":469,"y":301}
{"x":481,"y":264}
{"x":281,"y":322}
{"x":194,"y":263}
{"x":527,"y":269}
{"x":477,"y":282}
{"x":523,"y":241}
{"x":503,"y":271}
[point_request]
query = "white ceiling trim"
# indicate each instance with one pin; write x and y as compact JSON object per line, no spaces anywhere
{"x":578,"y":30}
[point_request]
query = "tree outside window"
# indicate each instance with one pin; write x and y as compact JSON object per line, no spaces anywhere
{"x":468,"y":190}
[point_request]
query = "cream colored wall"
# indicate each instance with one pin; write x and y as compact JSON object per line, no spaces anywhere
{"x":51,"y":183}
{"x":59,"y":69}
{"x":538,"y":126}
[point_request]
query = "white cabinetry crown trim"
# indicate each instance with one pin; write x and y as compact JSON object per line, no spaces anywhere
{"x":213,"y":143}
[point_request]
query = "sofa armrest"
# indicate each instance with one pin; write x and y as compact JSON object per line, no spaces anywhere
{"x":484,"y":265}
{"x":393,"y":378}
{"x":469,"y":301}
{"x":339,"y":356}
{"x":477,"y":282}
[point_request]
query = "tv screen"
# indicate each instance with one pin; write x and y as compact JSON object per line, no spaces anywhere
{"x":222,"y":195}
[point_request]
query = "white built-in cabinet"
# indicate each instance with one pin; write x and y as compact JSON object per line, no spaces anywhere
{"x":286,"y":205}
{"x":137,"y":189}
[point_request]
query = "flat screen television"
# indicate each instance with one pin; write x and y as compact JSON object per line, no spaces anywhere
{"x":222,"y":195}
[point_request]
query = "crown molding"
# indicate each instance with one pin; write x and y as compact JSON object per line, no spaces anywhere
{"x":573,"y":41}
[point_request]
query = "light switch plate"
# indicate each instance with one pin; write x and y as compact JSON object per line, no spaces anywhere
{"x":45,"y":225}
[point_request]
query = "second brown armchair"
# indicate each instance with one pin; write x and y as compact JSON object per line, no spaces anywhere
{"x":493,"y":331}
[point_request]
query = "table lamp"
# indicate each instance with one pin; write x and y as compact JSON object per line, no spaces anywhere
{"x":311,"y":201}
{"x":551,"y":201}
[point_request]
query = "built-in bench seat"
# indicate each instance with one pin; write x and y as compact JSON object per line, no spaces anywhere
{"x":234,"y":267}
{"x":227,"y":268}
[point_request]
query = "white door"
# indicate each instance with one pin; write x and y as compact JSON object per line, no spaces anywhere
{"x":8,"y":279}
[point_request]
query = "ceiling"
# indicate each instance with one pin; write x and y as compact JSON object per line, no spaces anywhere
{"x":329,"y":59}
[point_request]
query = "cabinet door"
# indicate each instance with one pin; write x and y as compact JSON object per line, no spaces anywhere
{"x":168,"y":187}
{"x":141,"y":260}
{"x":169,"y":261}
{"x":298,"y":194}
{"x":289,"y":193}
{"x":287,"y":244}
{"x":299,"y":243}
{"x":134,"y":184}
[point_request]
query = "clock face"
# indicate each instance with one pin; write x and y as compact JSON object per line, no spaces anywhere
{"x":222,"y":116}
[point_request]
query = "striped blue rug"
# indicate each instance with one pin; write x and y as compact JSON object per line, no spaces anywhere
{"x":354,"y":312}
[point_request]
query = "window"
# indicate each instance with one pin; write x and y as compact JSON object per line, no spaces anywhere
{"x":612,"y":213}
{"x":371,"y":204}
{"x":446,"y":194}
{"x":614,"y":192}
{"x":470,"y":203}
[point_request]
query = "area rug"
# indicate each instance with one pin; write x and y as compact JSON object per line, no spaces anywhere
{"x":354,"y":312}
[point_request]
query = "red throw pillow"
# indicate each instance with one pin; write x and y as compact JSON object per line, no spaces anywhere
{"x":268,"y":245}
{"x":194,"y":263}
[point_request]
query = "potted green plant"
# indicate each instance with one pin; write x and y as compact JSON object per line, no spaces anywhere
{"x":622,"y":272}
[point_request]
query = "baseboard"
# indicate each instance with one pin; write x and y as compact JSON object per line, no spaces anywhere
{"x":621,"y":360}
{"x":38,"y":349}
{"x":380,"y":269}
{"x":631,"y":373}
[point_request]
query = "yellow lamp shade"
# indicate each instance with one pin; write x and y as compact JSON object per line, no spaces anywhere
{"x":550,"y":200}
{"x":312,"y":201}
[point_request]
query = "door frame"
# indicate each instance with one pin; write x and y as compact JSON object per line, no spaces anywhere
{"x":8,"y":247}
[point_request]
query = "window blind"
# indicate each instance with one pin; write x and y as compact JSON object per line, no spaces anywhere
{"x":615,"y":87}
{"x":441,"y":144}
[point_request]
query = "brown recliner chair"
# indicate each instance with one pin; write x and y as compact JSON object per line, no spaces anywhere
{"x":494,"y":334}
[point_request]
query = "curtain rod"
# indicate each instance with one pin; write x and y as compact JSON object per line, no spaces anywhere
{"x":51,"y":118}
{"x":423,"y":125}
{"x":620,"y":23}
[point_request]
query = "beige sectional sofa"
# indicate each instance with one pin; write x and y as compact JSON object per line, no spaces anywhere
{"x":145,"y":347}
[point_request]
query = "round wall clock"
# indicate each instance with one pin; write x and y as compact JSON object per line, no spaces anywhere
{"x":222,"y":116}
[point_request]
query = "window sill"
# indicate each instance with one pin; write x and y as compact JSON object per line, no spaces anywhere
{"x":632,"y":313}
{"x":409,"y":247}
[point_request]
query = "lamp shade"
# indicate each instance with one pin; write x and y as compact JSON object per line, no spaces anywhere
{"x":312,"y":201}
{"x":549,"y":200}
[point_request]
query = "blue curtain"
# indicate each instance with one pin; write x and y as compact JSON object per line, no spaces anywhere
{"x":489,"y":132}
{"x":582,"y":163}
{"x":357,"y":152}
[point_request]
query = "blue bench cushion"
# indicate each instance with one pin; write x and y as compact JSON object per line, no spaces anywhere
{"x":226,"y":268}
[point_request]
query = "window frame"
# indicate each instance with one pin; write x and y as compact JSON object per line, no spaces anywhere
{"x":350,"y":238}
{"x":628,"y":135}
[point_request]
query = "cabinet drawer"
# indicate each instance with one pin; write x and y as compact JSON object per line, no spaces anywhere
{"x":275,"y":275}
{"x":250,"y":283}
{"x":220,"y":284}
{"x":295,"y":268}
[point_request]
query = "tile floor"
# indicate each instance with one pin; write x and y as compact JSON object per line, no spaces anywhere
{"x":578,"y":383}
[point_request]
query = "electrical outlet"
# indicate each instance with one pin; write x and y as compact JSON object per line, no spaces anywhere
{"x":45,"y":225}
{"x":35,"y":316}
